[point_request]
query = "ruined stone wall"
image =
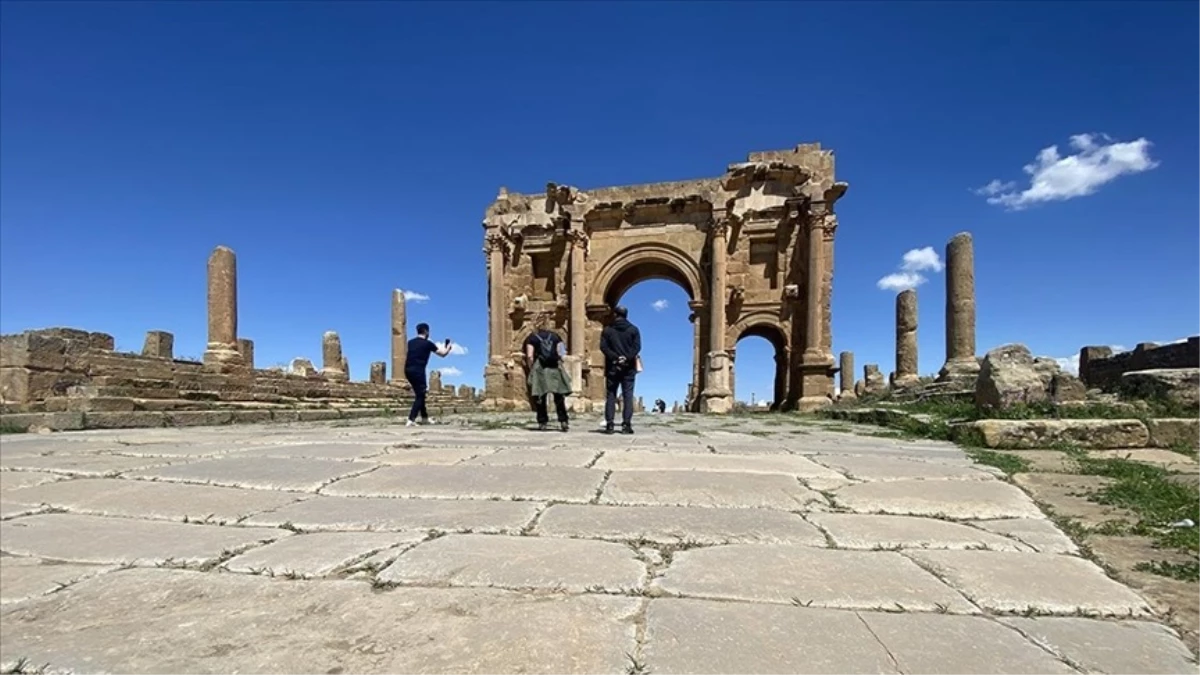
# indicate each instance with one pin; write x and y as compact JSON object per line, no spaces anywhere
{"x":68,"y":370}
{"x":1100,"y":368}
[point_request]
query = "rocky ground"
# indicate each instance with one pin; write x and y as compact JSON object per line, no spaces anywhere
{"x":698,"y":545}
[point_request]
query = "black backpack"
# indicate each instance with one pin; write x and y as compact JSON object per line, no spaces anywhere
{"x":547,"y":355}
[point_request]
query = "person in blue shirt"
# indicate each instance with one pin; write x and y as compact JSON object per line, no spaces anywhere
{"x":420,"y":349}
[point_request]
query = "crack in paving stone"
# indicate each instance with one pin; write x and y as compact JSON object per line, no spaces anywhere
{"x":890,"y":655}
{"x":600,"y":488}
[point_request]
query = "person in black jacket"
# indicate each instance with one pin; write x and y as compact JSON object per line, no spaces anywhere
{"x":621,"y":343}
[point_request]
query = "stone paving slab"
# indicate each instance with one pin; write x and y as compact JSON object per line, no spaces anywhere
{"x":15,"y":509}
{"x":443,"y":456}
{"x":345,"y":451}
{"x":963,"y":500}
{"x":84,"y":465}
{"x":677,"y":524}
{"x":890,"y":468}
{"x":287,"y":626}
{"x":93,"y":539}
{"x":943,"y":643}
{"x":810,"y":577}
{"x":548,"y":483}
{"x":1021,"y":582}
{"x":368,"y":513}
{"x":317,"y":554}
{"x":637,"y":460}
{"x":15,"y":480}
{"x":25,"y":578}
{"x":147,"y":499}
{"x":1110,"y":646}
{"x":178,"y":450}
{"x":576,"y":456}
{"x":1038,"y":533}
{"x":863,"y":531}
{"x":701,"y":636}
{"x":258,"y":473}
{"x":707,"y":488}
{"x":571,"y":565}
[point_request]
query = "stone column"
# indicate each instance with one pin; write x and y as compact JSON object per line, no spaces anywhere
{"x":399,"y":334}
{"x":906,"y":339}
{"x":496,"y":381}
{"x":846,"y":367}
{"x":246,"y":349}
{"x":815,"y":364}
{"x":332,"y":363}
{"x":960,"y":310}
{"x":717,"y":396}
{"x":222,"y":349}
{"x":378,"y":372}
{"x":577,"y":326}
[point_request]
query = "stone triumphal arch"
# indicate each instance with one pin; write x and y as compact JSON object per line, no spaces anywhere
{"x":753,"y":249}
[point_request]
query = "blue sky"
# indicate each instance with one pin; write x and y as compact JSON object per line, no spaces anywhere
{"x":345,"y":149}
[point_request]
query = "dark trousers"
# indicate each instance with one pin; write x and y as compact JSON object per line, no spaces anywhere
{"x":420,"y":387}
{"x":560,"y":408}
{"x":624,"y":379}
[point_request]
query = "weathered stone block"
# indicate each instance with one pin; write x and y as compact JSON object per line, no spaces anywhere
{"x":1030,"y":434}
{"x":123,"y":420}
{"x":33,"y":350}
{"x":1169,"y":433}
{"x":1009,"y":376}
{"x":159,"y":344}
{"x":55,"y":421}
{"x":1177,"y":385}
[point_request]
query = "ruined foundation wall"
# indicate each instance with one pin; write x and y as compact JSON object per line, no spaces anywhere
{"x":1099,"y":368}
{"x":67,"y":370}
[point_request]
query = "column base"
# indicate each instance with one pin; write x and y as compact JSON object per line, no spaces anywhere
{"x":960,"y":371}
{"x":220,"y":358}
{"x":811,"y":403}
{"x":716,"y":402}
{"x":335,"y":375}
{"x":816,"y":373}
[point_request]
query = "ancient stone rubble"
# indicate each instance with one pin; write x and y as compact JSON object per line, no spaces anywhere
{"x":66,"y":379}
{"x":753,"y":249}
{"x":378,"y":372}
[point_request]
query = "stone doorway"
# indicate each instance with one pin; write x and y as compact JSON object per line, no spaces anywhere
{"x":752,"y":247}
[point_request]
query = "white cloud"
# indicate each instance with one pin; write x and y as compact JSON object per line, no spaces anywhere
{"x":413,"y":296}
{"x":912,"y":263}
{"x":1054,"y":177}
{"x":921,"y":259}
{"x":457,"y":349}
{"x":660,"y":305}
{"x":449,"y":371}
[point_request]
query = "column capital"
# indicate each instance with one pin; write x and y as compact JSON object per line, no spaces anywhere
{"x":720,"y":228}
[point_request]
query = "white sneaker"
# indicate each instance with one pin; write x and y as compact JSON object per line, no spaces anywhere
{"x":429,"y":420}
{"x":410,"y":423}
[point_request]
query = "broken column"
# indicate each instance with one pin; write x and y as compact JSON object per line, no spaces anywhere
{"x":435,"y":381}
{"x":378,"y":372}
{"x":222,"y":350}
{"x":246,"y":349}
{"x":332,"y":363}
{"x":303,"y":367}
{"x":873,"y":381}
{"x":961,"y":363}
{"x":159,"y":344}
{"x":346,"y":367}
{"x":846,"y":368}
{"x":399,"y":334}
{"x":906,"y":339}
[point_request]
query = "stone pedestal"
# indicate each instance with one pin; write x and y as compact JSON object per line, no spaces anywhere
{"x":246,"y":349}
{"x":578,"y":400}
{"x":717,"y":396}
{"x":378,"y":372}
{"x":816,"y":376}
{"x":159,"y":344}
{"x":332,"y":363}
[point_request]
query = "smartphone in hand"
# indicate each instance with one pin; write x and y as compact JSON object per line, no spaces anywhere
{"x":447,"y":342}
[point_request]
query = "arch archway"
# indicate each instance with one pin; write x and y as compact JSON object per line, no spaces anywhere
{"x":642,"y":261}
{"x":769,"y":329}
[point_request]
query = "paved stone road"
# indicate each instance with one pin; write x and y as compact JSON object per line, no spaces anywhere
{"x":695,"y":546}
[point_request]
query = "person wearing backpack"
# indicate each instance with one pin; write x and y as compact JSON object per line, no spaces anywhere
{"x":544,"y":353}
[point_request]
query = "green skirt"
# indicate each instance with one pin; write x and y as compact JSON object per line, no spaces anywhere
{"x":543,"y":380}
